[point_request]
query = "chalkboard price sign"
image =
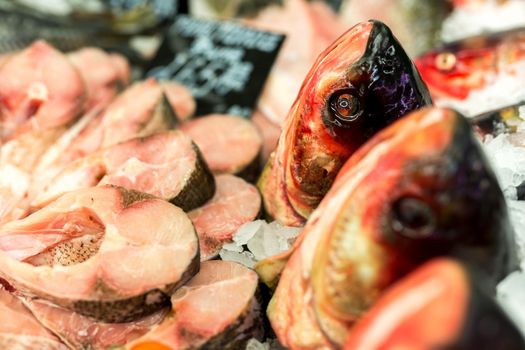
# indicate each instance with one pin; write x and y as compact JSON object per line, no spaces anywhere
{"x":224,"y":64}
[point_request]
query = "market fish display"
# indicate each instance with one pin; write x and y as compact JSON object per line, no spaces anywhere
{"x":441,"y":305}
{"x":235,"y":203}
{"x":107,"y":267}
{"x":229,"y":144}
{"x":477,"y":74}
{"x":360,"y":84}
{"x":420,"y":188}
{"x":167,"y":165}
{"x":93,"y":252}
{"x":19,"y":330}
{"x":218,"y":309}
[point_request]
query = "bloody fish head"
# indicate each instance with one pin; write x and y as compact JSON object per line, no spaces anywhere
{"x":460,"y":67}
{"x":361,"y":83}
{"x":441,"y":305}
{"x":420,"y":189}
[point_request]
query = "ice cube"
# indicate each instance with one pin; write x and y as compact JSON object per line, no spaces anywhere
{"x":247,"y":231}
{"x":232,"y":247}
{"x":256,"y":244}
{"x":272,"y":242}
{"x":245,"y":258}
{"x":287,"y":232}
{"x":508,"y":162}
{"x":254,"y":344}
{"x":517,"y":219}
{"x":511,"y":296}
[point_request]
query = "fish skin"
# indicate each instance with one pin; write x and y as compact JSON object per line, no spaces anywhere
{"x":441,"y":305}
{"x":369,"y":64}
{"x":456,"y":69}
{"x":350,"y":250}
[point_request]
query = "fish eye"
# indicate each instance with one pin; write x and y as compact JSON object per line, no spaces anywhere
{"x":412,"y":217}
{"x":446,"y":61}
{"x":345,"y":106}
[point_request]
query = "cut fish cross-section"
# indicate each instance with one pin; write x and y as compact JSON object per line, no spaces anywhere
{"x":105,"y":252}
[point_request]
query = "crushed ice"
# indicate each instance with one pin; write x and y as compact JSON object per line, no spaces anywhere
{"x":490,"y":16}
{"x":258,"y":240}
{"x":503,"y":89}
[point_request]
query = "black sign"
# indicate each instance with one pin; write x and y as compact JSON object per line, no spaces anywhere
{"x":223,"y":63}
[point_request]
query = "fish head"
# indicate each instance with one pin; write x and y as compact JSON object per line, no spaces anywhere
{"x":441,"y":305}
{"x":360,"y":84}
{"x":421,"y":188}
{"x":457,"y":68}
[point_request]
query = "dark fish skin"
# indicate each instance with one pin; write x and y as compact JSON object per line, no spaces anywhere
{"x":366,"y":69}
{"x":444,"y":304}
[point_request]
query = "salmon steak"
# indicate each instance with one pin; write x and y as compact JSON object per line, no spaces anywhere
{"x":360,"y":84}
{"x":141,"y":110}
{"x":96,"y":252}
{"x":403,"y":198}
{"x":167,"y":165}
{"x":230,"y":144}
{"x":217,"y":309}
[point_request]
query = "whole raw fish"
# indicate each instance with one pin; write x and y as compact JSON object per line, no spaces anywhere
{"x":476,"y":74}
{"x":360,"y":84}
{"x":419,"y":189}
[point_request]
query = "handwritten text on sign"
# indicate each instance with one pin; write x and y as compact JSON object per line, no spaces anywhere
{"x":223,"y":63}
